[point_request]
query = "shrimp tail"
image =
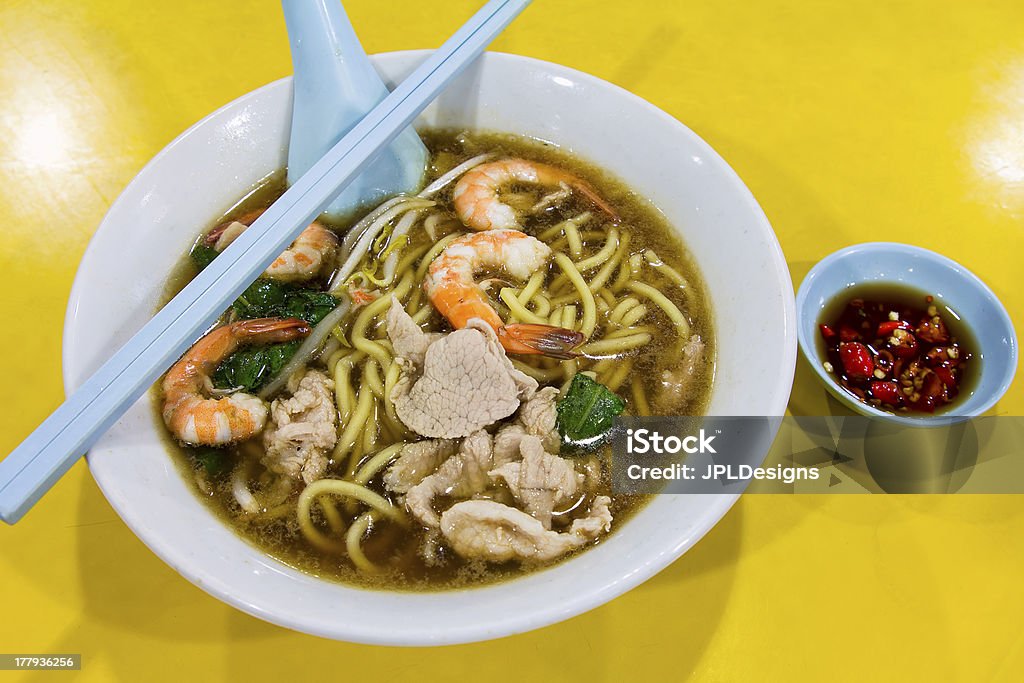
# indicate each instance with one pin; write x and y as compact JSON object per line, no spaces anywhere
{"x":555,"y":342}
{"x":213,"y":236}
{"x":273,"y":330}
{"x":591,"y":194}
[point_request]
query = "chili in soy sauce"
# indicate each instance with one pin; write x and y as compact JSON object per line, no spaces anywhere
{"x":896,"y":350}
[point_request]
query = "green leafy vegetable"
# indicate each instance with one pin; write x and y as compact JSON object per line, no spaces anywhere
{"x":203,"y":255}
{"x":586,"y":414}
{"x":213,"y":460}
{"x":269,"y":299}
{"x":310,"y":305}
{"x":251,"y":368}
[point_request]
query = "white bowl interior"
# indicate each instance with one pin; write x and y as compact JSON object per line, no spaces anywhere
{"x":205,"y":170}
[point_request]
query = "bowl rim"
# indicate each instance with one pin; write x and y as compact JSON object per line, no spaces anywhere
{"x":575,"y":604}
{"x":863,"y":249}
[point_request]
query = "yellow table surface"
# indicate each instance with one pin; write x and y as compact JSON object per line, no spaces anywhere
{"x":849,"y":122}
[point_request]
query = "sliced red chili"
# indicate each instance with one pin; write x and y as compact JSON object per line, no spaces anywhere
{"x":856,"y":360}
{"x":933,"y":331}
{"x":890,"y":326}
{"x":887,"y":392}
{"x":907,"y":347}
{"x":932,"y":392}
{"x":848,"y":334}
{"x":936,"y":356}
{"x":946,"y":376}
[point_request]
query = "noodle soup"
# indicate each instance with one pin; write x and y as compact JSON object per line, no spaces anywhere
{"x":351,"y":476}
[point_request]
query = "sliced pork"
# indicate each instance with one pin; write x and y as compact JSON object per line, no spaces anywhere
{"x":416,"y":462}
{"x":464,"y":383}
{"x":460,"y":476}
{"x":540,"y":481}
{"x":483,"y":529}
{"x":303,"y":428}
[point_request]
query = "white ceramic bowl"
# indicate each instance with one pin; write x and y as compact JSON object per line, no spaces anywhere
{"x":203,"y":172}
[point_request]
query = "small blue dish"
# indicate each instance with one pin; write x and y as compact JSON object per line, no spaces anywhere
{"x":951,"y":284}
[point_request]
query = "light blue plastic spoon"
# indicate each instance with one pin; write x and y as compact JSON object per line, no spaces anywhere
{"x":335,"y":86}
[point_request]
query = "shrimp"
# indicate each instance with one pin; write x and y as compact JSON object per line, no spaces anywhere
{"x":450,"y":286}
{"x":195,"y":419}
{"x":476,"y":194}
{"x":305,"y":259}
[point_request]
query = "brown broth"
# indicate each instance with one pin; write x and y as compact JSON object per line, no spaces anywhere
{"x":389,"y":543}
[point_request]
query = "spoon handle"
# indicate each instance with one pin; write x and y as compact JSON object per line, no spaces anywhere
{"x":40,"y":460}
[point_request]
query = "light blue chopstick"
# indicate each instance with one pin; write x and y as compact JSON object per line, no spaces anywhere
{"x":48,"y":452}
